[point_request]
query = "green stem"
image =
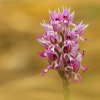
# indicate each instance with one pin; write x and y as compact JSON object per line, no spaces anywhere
{"x":66,"y":89}
{"x":65,"y":85}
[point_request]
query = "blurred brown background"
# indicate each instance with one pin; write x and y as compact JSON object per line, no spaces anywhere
{"x":20,"y":66}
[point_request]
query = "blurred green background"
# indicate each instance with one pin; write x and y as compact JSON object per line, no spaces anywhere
{"x":20,"y":66}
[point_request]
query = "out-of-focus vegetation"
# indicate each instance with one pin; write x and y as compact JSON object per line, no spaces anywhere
{"x":20,"y":66}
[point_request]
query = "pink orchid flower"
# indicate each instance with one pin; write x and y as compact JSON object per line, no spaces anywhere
{"x":61,"y":42}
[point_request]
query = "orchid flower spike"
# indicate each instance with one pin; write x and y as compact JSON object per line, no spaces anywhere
{"x":61,"y":43}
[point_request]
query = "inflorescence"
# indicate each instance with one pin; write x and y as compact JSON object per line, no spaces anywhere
{"x":61,"y":42}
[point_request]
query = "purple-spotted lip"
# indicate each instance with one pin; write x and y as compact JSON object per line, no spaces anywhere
{"x":53,"y":39}
{"x":67,"y":49}
{"x":52,"y":56}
